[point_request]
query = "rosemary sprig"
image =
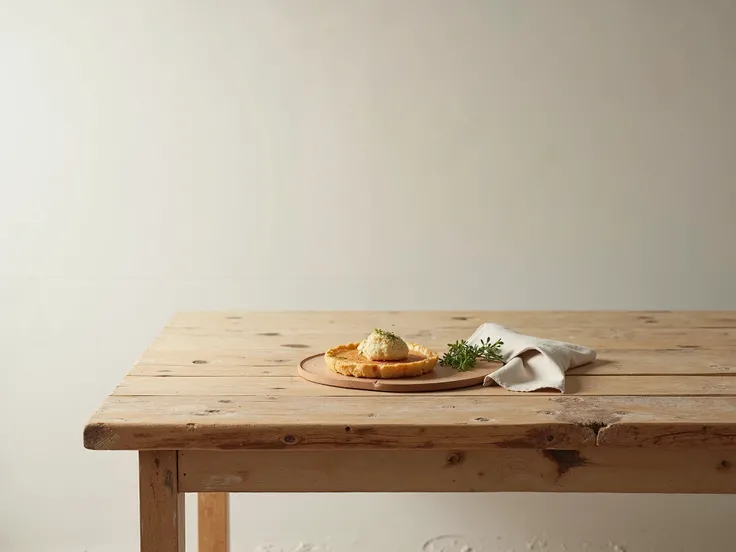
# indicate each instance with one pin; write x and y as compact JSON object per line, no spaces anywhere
{"x":462,"y":356}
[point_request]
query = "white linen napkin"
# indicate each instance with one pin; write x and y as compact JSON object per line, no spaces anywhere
{"x":531,"y":363}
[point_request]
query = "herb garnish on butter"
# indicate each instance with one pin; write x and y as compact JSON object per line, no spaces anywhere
{"x":386,"y":334}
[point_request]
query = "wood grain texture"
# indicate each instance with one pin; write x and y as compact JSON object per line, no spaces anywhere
{"x":618,"y":362}
{"x":227,"y":381}
{"x":410,"y":421}
{"x":587,"y":470}
{"x":277,"y":321}
{"x":161,"y":502}
{"x":295,"y":386}
{"x":258,"y":345}
{"x":213,"y":521}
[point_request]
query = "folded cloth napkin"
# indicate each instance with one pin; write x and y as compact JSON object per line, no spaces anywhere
{"x":531,"y":363}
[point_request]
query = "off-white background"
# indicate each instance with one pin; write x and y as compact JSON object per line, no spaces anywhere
{"x":167,"y":155}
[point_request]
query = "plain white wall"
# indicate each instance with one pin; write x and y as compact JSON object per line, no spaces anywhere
{"x":166,"y":155}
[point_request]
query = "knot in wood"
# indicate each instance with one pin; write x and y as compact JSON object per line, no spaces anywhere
{"x":289,"y":440}
{"x":455,"y":458}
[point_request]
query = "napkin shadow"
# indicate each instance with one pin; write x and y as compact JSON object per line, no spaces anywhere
{"x":582,"y":369}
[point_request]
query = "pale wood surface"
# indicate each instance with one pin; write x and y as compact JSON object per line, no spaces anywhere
{"x":161,"y":502}
{"x":228,"y":381}
{"x":588,"y":470}
{"x":294,"y":386}
{"x":383,"y":421}
{"x":612,"y":362}
{"x":213,"y":521}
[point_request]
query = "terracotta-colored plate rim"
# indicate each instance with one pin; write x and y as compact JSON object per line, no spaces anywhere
{"x":442,"y":378}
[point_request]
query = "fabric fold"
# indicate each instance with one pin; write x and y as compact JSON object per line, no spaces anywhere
{"x":531,"y":363}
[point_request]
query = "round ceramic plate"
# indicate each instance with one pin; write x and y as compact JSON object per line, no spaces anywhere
{"x":314,"y":369}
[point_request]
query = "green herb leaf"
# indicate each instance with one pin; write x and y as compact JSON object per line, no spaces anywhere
{"x":384,"y":333}
{"x":462,"y":356}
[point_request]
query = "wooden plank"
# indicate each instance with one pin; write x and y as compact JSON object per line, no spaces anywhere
{"x":296,"y":386}
{"x":610,"y":362}
{"x":614,"y":338}
{"x":214,"y":360}
{"x":213,"y":522}
{"x":505,"y":470}
{"x":291,"y":321}
{"x":161,"y":502}
{"x":662,"y":435}
{"x":402,"y":421}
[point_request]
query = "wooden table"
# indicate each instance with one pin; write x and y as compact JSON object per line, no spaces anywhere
{"x":215,"y":406}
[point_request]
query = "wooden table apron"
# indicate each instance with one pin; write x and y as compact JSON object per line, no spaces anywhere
{"x":214,"y":407}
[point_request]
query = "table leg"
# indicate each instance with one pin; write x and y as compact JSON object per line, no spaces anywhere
{"x":161,"y":503}
{"x":213,"y":522}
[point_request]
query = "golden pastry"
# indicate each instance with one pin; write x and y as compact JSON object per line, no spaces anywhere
{"x":381,"y":355}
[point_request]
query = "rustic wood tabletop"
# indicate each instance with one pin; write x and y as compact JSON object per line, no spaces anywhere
{"x":216,"y":400}
{"x":229,"y":381}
